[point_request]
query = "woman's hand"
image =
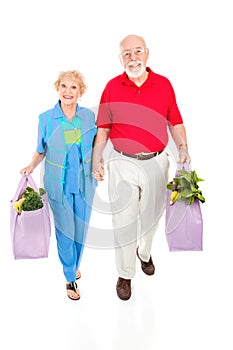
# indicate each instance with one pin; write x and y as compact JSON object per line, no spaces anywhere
{"x":28,"y":170}
{"x":36,"y":159}
{"x":98,"y":171}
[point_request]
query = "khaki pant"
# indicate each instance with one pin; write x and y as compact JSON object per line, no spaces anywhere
{"x":137,"y":192}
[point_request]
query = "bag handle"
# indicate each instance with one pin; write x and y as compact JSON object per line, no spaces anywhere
{"x":23,"y":184}
{"x":184,"y":166}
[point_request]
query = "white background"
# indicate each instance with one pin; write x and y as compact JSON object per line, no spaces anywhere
{"x":188,"y":303}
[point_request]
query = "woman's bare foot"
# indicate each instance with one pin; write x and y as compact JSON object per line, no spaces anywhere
{"x":78,"y":274}
{"x":72,"y":290}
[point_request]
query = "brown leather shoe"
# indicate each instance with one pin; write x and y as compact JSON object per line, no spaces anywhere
{"x":147,"y":267}
{"x":123,"y":288}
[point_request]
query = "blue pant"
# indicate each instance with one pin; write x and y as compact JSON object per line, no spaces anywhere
{"x":71,"y":223}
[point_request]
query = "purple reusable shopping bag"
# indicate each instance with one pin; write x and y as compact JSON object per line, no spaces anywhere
{"x":30,"y":230}
{"x":183,"y":223}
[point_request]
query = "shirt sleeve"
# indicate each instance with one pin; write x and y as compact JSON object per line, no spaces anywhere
{"x":41,"y":137}
{"x":104,"y":116}
{"x":174,"y":115}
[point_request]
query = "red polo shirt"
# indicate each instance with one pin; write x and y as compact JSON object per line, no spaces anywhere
{"x":138,"y":116}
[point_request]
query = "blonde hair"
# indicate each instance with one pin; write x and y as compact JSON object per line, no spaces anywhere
{"x":76,"y":76}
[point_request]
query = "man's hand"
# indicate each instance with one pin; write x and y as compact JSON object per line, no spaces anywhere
{"x":98,"y":171}
{"x":184,"y":154}
{"x":178,"y":133}
{"x":101,"y":140}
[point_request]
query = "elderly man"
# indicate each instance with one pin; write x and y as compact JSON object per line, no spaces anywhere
{"x":136,"y":109}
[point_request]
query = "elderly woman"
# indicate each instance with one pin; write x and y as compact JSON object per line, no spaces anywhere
{"x":65,"y":139}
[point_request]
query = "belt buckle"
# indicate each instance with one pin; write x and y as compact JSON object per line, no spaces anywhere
{"x":138,"y":155}
{"x":146,"y":155}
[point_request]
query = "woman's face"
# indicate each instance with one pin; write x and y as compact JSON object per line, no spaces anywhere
{"x":68,"y":91}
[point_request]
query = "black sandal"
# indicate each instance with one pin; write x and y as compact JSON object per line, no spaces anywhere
{"x":72,"y":286}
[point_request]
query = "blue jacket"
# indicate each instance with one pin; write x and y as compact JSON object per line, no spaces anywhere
{"x":51,"y":129}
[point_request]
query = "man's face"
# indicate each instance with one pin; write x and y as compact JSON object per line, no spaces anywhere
{"x":134,"y":56}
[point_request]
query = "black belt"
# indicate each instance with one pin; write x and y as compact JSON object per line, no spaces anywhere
{"x":140,"y":156}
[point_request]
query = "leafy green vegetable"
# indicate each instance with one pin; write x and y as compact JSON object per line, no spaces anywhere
{"x":187,"y":187}
{"x":42,"y":191}
{"x":33,"y":200}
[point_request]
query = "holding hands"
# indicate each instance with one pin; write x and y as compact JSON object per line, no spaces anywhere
{"x":98,"y":170}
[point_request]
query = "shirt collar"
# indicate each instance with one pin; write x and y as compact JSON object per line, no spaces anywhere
{"x":58,"y":113}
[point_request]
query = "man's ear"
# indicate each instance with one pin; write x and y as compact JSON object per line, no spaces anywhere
{"x":121,"y":59}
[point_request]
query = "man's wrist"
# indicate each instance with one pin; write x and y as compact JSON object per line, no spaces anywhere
{"x":183,"y":145}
